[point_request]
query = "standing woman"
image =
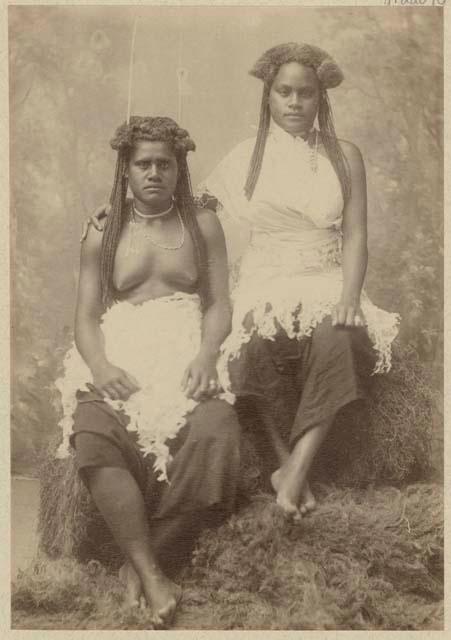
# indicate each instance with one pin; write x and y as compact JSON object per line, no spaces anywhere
{"x":302,"y":326}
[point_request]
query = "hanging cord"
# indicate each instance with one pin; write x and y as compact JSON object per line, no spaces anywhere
{"x":180,"y":74}
{"x":130,"y":70}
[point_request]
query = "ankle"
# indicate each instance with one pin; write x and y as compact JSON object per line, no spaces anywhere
{"x":145,"y":564}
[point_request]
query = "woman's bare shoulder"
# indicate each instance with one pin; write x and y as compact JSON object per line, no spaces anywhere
{"x":351,"y":151}
{"x":208,"y":222}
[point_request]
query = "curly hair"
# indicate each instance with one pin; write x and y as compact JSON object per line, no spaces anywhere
{"x":329,"y":76}
{"x":158,"y":129}
{"x":328,"y":72}
{"x":127,"y":135}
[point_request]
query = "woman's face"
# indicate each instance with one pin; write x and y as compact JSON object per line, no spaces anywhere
{"x":152,"y":174}
{"x":294,"y":98}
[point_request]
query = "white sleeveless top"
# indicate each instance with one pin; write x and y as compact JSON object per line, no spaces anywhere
{"x":292,"y":230}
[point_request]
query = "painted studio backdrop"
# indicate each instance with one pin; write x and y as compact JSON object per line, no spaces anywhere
{"x":68,"y":80}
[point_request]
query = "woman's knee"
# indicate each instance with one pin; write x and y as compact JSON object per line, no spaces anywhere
{"x":341,"y":352}
{"x":214,"y":419}
{"x":327,"y":336}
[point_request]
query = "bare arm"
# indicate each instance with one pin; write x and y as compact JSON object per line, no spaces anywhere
{"x":355,"y":251}
{"x":218,"y":314}
{"x":217,"y":317}
{"x":89,"y":338}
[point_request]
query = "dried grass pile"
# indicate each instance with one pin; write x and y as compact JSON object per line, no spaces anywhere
{"x":63,"y":594}
{"x":69,"y":524}
{"x":389,"y":439}
{"x":366,"y":559}
{"x":64,"y":586}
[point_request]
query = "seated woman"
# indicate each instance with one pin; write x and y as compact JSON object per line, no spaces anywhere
{"x":152,"y":311}
{"x":299,"y":313}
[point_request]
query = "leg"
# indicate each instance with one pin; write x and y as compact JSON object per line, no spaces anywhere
{"x":203,"y":477}
{"x":264,"y":376}
{"x":203,"y":483}
{"x":121,"y":503}
{"x":333,"y":368}
{"x":134,"y":595}
{"x":203,"y":472}
{"x":306,"y":500}
{"x":274,"y":368}
{"x":291,"y":481}
{"x":112,"y":467}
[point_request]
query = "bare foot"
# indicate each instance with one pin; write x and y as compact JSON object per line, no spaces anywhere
{"x":287,"y":495}
{"x":308,"y":502}
{"x":134,"y":595}
{"x":162,"y":595}
{"x":284,"y":498}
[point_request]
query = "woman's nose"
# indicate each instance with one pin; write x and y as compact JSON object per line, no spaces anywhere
{"x":294,"y":100}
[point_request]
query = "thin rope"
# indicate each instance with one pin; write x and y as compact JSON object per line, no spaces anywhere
{"x":130,"y":70}
{"x":179,"y":72}
{"x":179,"y":95}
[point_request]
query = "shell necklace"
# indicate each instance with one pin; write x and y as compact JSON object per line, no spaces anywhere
{"x":134,"y":232}
{"x":313,"y":152}
{"x":312,"y":146}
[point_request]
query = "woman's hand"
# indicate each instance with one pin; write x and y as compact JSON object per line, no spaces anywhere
{"x":97,"y":220}
{"x":114,"y":382}
{"x":201,"y":378}
{"x":348,"y":314}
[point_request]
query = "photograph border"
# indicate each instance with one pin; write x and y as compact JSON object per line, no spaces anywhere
{"x":5,"y":616}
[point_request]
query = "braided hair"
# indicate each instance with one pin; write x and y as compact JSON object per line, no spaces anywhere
{"x":329,"y":76}
{"x":158,"y":129}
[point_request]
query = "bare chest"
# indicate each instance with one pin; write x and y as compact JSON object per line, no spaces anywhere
{"x":155,"y":256}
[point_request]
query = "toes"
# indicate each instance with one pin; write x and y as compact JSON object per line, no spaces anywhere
{"x":167,"y":612}
{"x":275,"y":480}
{"x":307,"y":506}
{"x":290,"y":510}
{"x":157,"y":622}
{"x":164,"y":616}
{"x":308,"y":502}
{"x":293,"y":515}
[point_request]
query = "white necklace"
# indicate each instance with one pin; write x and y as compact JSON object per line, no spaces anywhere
{"x":148,"y":216}
{"x":134,"y":233}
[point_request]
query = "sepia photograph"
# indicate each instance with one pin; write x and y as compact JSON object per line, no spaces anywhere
{"x":227,"y":317}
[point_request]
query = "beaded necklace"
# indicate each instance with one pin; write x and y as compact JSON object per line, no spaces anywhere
{"x":135,"y":233}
